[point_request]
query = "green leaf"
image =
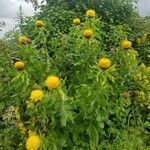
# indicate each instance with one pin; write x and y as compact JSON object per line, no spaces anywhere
{"x":94,"y":137}
{"x":63,"y":114}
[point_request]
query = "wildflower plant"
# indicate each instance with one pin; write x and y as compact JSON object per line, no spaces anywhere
{"x":69,"y":92}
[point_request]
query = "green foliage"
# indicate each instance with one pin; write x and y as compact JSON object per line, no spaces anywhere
{"x":117,"y":11}
{"x":92,"y":108}
{"x":117,"y":16}
{"x":141,"y":28}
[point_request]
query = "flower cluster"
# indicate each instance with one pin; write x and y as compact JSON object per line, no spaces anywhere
{"x":37,"y":95}
{"x":52,"y":83}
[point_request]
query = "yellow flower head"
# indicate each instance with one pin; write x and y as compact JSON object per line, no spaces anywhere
{"x":22,"y":39}
{"x":104,"y":63}
{"x":90,"y":13}
{"x":144,"y":77}
{"x":88,"y":33}
{"x":146,"y":81}
{"x":36,"y":95}
{"x":138,"y":40}
{"x":134,"y":54}
{"x":19,"y":65}
{"x":126,"y":44}
{"x":142,"y":65}
{"x":76,"y":21}
{"x":148,"y":107}
{"x":141,"y":95}
{"x":139,"y":76}
{"x":148,"y":69}
{"x":52,"y":82}
{"x":33,"y":142}
{"x":143,"y":39}
{"x":39,"y":23}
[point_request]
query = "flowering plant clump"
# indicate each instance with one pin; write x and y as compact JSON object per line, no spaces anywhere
{"x":75,"y":87}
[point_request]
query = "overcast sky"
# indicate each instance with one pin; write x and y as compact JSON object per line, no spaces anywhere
{"x":9,"y":8}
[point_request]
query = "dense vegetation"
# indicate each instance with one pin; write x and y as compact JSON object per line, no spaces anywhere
{"x":76,"y":76}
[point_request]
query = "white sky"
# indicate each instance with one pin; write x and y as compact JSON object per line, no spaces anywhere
{"x":144,"y":7}
{"x":9,"y":8}
{"x":8,"y":11}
